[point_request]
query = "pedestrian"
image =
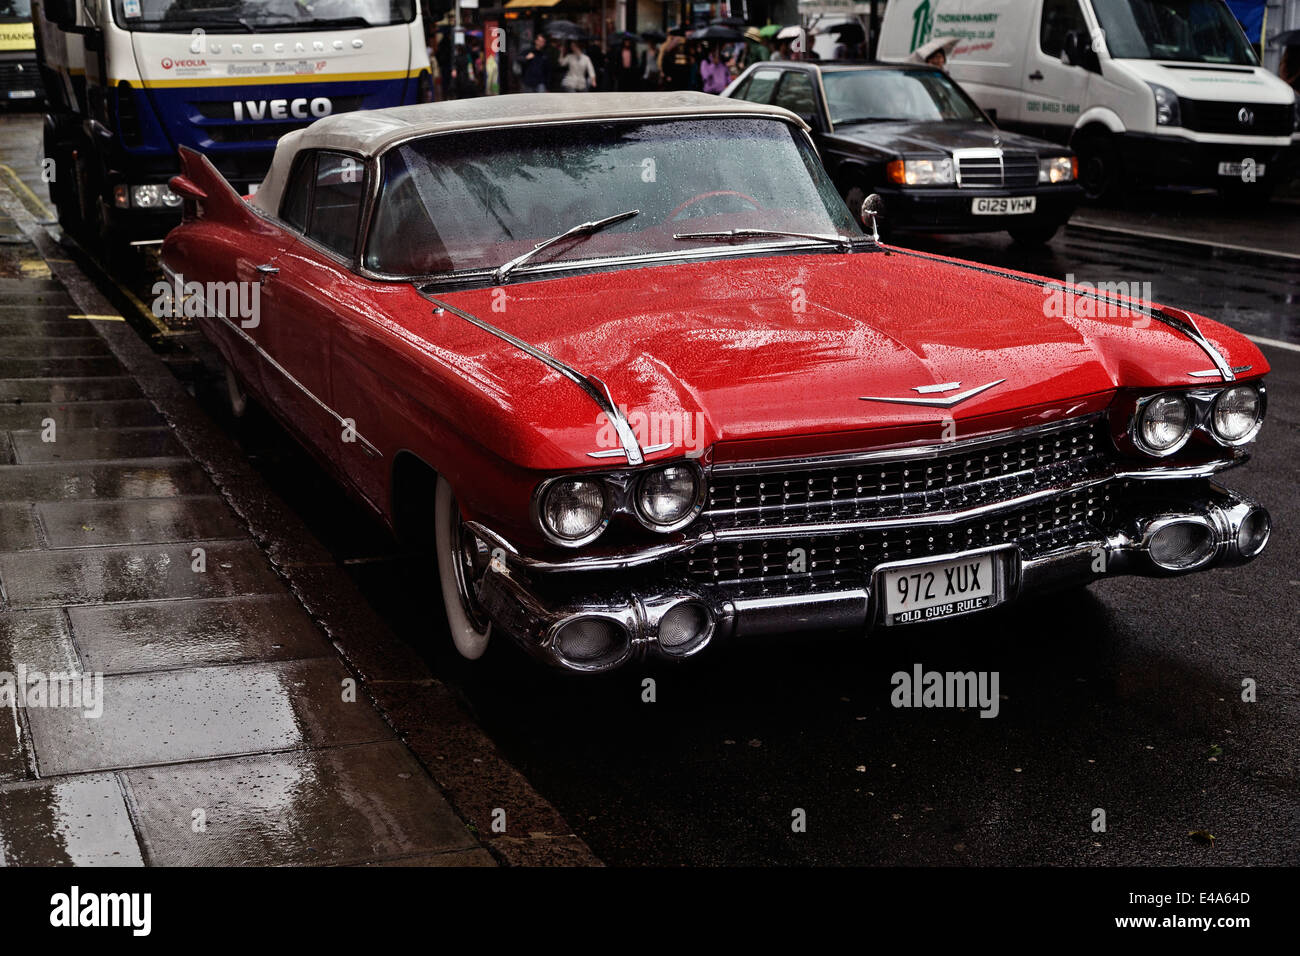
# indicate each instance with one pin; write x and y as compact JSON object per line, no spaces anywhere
{"x":462,"y":73}
{"x":714,"y":75}
{"x":651,"y":78}
{"x":537,"y":67}
{"x":674,"y":61}
{"x":627,"y":69}
{"x":579,"y":75}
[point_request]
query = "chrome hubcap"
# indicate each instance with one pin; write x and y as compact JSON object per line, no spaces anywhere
{"x":470,"y":558}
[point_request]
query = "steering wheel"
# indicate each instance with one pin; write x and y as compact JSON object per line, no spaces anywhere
{"x":672,"y":216}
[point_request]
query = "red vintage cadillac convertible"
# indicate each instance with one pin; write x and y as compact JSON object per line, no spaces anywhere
{"x":648,"y":384}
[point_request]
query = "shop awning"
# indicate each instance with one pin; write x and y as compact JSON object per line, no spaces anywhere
{"x":516,"y":4}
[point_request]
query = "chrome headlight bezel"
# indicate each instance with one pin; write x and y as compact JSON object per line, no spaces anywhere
{"x":692,"y":504}
{"x":621,"y":491}
{"x":1145,"y":404}
{"x":540,"y":499}
{"x":1212,"y":417}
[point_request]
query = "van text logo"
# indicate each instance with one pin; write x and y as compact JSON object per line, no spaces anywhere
{"x":301,"y":108}
{"x":168,"y":63}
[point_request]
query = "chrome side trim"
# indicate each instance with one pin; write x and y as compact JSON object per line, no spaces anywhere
{"x":596,"y":390}
{"x":1212,"y":372}
{"x":371,"y":450}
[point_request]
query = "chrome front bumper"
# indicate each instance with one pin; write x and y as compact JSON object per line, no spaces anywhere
{"x":520,"y":602}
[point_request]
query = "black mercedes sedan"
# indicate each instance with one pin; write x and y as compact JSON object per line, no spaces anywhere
{"x":912,"y":135}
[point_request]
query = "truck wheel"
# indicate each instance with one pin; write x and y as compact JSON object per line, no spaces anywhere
{"x":462,"y":561}
{"x":1100,"y":170}
{"x":1034,"y":233}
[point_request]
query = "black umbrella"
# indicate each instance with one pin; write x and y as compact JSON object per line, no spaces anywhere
{"x":564,"y":30}
{"x":622,"y":35}
{"x":653,"y":36}
{"x":848,"y":32}
{"x":1289,"y":38}
{"x":717,"y":33}
{"x":736,"y":23}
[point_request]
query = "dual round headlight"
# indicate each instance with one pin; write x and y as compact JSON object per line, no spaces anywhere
{"x":667,"y":496}
{"x":1164,"y":424}
{"x":1166,"y":421}
{"x":1236,"y":414}
{"x":574,"y":511}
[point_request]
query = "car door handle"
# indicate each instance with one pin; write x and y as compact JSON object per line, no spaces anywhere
{"x":1036,"y":75}
{"x":267,"y":269}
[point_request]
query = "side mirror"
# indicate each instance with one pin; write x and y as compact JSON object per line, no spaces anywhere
{"x":1072,"y":49}
{"x":62,"y":13}
{"x":872,"y":207}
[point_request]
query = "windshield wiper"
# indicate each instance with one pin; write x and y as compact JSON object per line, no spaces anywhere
{"x":844,"y":241}
{"x":582,"y":229}
{"x":868,"y":119}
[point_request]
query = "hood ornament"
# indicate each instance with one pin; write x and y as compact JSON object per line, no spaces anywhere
{"x":939,"y":401}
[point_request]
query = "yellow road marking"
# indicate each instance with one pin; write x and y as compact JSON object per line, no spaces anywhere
{"x":26,"y":196}
{"x":99,"y":318}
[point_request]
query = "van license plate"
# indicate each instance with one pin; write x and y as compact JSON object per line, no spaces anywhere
{"x":1004,"y":206}
{"x":1234,"y":169}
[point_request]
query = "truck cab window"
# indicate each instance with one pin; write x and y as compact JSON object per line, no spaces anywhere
{"x":1060,"y":17}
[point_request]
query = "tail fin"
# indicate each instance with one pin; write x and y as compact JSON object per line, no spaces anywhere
{"x":205,"y":189}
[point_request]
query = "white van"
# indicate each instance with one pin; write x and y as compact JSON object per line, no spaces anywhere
{"x":1145,"y":91}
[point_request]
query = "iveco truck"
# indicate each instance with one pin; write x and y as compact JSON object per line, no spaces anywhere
{"x":128,"y":82}
{"x":20,"y":81}
{"x":1145,"y":91}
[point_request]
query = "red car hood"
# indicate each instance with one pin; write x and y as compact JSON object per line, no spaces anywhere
{"x":774,"y":356}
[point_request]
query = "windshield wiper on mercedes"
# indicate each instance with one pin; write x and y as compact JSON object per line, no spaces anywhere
{"x":729,"y":234}
{"x":582,"y":229}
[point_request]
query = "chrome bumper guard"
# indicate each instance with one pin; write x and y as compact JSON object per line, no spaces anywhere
{"x":1220,"y":528}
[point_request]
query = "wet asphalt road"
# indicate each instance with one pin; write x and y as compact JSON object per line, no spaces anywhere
{"x":1123,"y":697}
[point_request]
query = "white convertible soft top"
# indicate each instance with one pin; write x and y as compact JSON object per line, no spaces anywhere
{"x":369,"y":132}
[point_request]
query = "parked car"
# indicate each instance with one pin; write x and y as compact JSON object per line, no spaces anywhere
{"x":633,"y":365}
{"x":913,"y":136}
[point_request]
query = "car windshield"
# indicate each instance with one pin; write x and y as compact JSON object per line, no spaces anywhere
{"x":227,"y":16}
{"x":1195,"y":31}
{"x":917,"y":96}
{"x":475,"y":200}
{"x":15,"y":11}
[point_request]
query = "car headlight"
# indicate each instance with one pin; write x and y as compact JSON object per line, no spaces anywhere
{"x":1164,"y":423}
{"x":1167,"y":110}
{"x":921,"y":172}
{"x":1058,"y":169}
{"x":154,"y":195}
{"x":666,"y":497}
{"x":1236,"y":415}
{"x":573,"y":510}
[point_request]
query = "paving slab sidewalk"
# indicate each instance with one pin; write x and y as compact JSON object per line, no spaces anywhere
{"x":218,"y":721}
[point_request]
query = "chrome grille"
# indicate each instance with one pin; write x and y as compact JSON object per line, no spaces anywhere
{"x":918,"y":481}
{"x":993,"y":169}
{"x":802,"y":563}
